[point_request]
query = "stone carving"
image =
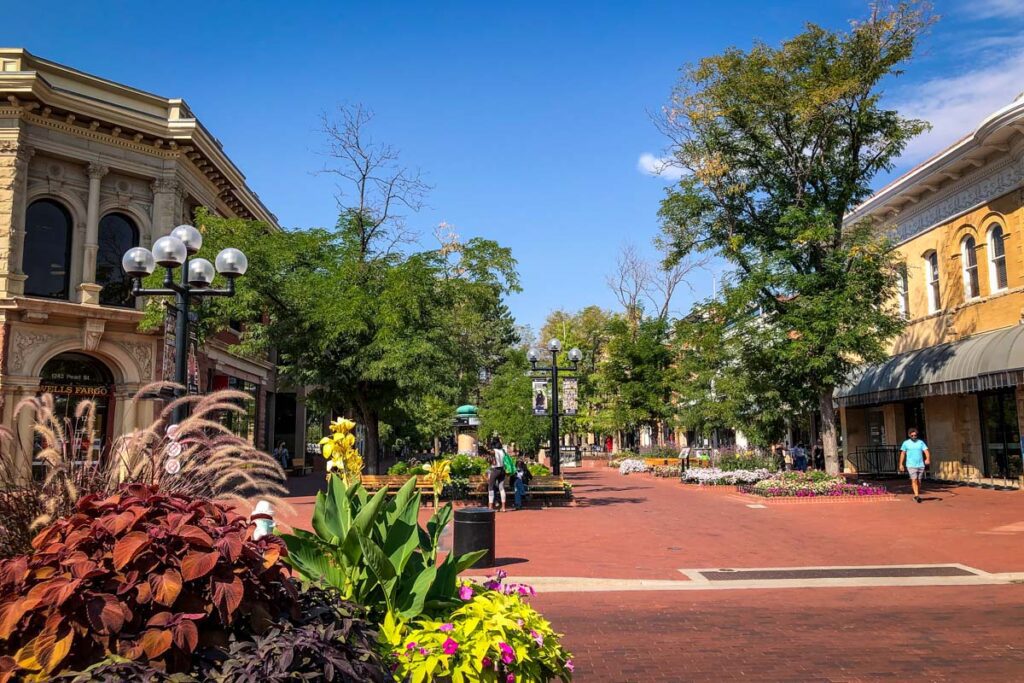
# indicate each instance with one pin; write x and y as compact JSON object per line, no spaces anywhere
{"x":164,"y":185}
{"x":22,"y":343}
{"x":97,"y":171}
{"x":8,"y":147}
{"x":972,"y":192}
{"x":92,"y":333}
{"x":142,"y":354}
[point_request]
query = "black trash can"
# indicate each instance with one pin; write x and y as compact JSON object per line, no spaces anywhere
{"x":474,"y":530}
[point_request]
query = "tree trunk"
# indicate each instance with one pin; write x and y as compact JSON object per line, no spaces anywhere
{"x":829,"y":438}
{"x":371,"y":421}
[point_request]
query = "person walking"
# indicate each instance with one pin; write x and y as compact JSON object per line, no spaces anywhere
{"x":819,"y":455}
{"x":787,"y":458}
{"x":521,"y":482}
{"x":800,"y":457}
{"x":914,"y":458}
{"x":282,"y":455}
{"x":496,"y":474}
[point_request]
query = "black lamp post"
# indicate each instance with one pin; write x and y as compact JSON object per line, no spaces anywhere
{"x":170,"y":252}
{"x":555,"y":346}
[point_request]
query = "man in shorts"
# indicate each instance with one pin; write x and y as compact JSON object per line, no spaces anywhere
{"x":914,"y":457}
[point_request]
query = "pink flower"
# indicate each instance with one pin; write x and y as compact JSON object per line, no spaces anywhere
{"x":508,"y":655}
{"x":502,"y":574}
{"x":423,"y":651}
{"x":537,"y":637}
{"x":511,"y":678}
{"x":569,"y":666}
{"x":446,"y":628}
{"x":411,"y":646}
{"x":486,"y":662}
{"x":466,"y":592}
{"x":450,"y":647}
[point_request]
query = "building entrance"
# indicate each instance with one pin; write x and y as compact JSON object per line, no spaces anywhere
{"x":73,"y":378}
{"x":1000,"y":434}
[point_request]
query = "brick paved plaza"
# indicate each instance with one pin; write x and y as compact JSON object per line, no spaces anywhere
{"x":631,"y":528}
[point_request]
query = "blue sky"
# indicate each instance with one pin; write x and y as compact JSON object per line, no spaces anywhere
{"x":530,"y":119}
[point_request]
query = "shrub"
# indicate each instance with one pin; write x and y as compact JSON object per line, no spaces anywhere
{"x":399,"y":468}
{"x":662,"y":452}
{"x":666,"y":471}
{"x":494,"y":636}
{"x":630,"y":465}
{"x":372,"y":549}
{"x":713,"y":476}
{"x":746,"y":461}
{"x":465,"y":466}
{"x":538,"y":470}
{"x":138,"y":574}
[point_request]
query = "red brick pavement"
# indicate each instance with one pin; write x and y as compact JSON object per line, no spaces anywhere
{"x":864,"y":634}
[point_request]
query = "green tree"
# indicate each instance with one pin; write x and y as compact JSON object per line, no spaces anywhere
{"x":778,"y":146}
{"x":506,"y":407}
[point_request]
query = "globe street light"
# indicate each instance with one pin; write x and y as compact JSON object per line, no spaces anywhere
{"x":173,"y":251}
{"x":575,"y":355}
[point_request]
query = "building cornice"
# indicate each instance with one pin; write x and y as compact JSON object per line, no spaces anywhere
{"x":52,"y":95}
{"x":980,"y":167}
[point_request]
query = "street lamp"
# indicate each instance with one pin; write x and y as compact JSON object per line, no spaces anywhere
{"x":173,"y":251}
{"x":554,"y":347}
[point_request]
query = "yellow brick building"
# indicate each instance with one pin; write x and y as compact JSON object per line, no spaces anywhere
{"x":957,"y":371}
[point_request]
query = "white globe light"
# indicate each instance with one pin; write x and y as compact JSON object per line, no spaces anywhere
{"x":138,"y":262}
{"x":200,"y":272}
{"x":532,"y":355}
{"x":575,"y":355}
{"x":554,"y":345}
{"x":169,"y":251}
{"x":232,"y":263}
{"x":192,"y":238}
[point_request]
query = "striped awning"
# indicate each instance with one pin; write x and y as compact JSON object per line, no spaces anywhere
{"x":993,"y":360}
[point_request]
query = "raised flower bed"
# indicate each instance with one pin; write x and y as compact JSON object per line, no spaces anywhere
{"x":811,"y":485}
{"x":713,"y":476}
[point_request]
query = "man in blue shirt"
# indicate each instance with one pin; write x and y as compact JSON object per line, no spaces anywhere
{"x":914,"y":457}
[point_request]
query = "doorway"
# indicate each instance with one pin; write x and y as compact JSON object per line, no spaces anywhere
{"x":73,"y":378}
{"x":1000,"y":434}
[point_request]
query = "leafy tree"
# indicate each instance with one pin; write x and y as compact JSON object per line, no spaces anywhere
{"x":506,"y":407}
{"x":778,"y":146}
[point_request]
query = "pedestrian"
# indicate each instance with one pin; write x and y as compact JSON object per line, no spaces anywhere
{"x":497,"y":473}
{"x":522,"y":481}
{"x":787,"y":458}
{"x":282,"y":456}
{"x":914,"y":458}
{"x":800,"y":457}
{"x":819,"y":455}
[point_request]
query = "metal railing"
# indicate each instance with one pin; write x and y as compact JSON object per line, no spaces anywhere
{"x":879,"y":459}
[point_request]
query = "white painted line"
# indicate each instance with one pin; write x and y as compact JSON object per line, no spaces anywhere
{"x":964,"y":567}
{"x":757,"y":507}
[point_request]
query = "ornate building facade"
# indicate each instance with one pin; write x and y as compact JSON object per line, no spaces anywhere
{"x":88,"y":169}
{"x":957,"y":371}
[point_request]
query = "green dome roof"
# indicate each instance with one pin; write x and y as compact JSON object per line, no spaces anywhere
{"x":466,"y":410}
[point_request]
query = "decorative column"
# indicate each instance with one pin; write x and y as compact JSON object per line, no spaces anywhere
{"x":89,"y":291}
{"x":165,"y":208}
{"x":14,"y":162}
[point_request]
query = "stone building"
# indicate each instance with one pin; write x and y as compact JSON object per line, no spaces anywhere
{"x":957,"y":371}
{"x":88,"y":169}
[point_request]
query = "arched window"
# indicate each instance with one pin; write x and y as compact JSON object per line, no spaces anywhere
{"x":931,"y":273}
{"x":117,"y":234}
{"x":996,"y":258}
{"x":969,"y":261}
{"x":903,"y":293}
{"x":47,"y":256}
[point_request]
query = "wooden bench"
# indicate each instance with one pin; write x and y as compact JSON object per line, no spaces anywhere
{"x":302,"y":465}
{"x":544,"y":489}
{"x":375,"y":482}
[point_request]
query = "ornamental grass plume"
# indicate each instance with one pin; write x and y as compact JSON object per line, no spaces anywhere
{"x":213,"y":463}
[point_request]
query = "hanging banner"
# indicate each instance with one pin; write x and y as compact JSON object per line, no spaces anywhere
{"x":570,"y":396}
{"x":540,"y":397}
{"x":193,"y":368}
{"x":170,"y":325}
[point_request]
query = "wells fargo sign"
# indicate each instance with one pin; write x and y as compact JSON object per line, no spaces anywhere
{"x":73,"y":389}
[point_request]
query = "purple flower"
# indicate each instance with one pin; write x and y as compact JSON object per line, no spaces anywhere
{"x":423,"y":651}
{"x":537,"y":637}
{"x":411,"y":646}
{"x":511,"y":678}
{"x":466,"y":592}
{"x":446,"y":628}
{"x":492,"y":585}
{"x":450,"y":647}
{"x":569,"y":666}
{"x":486,"y":662}
{"x":508,"y":655}
{"x":502,"y":574}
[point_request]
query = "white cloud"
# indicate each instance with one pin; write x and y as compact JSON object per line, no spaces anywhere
{"x":993,"y":9}
{"x":662,"y":167}
{"x":955,"y":105}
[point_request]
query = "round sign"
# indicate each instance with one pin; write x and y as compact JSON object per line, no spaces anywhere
{"x":173,"y":449}
{"x":172,"y":465}
{"x":172,"y":431}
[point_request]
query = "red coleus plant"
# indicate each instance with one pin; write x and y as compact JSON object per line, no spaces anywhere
{"x":141,"y":575}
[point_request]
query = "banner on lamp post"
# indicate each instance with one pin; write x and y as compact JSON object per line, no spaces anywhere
{"x":570,"y":396}
{"x":540,"y":397}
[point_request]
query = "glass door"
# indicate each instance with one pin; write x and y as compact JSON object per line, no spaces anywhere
{"x":1000,"y":435}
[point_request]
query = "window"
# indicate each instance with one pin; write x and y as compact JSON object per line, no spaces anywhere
{"x":903,"y":294}
{"x":969,"y":261}
{"x":47,"y":258}
{"x":117,"y":234}
{"x":931,"y":273}
{"x":996,"y":258}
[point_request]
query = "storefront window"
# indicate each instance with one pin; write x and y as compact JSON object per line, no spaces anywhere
{"x":242,"y":424}
{"x":73,"y":378}
{"x":1000,"y":434}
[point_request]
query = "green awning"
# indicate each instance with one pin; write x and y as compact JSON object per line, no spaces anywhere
{"x":993,"y":360}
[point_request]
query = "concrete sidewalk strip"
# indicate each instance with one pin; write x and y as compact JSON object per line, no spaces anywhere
{"x":876,"y":576}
